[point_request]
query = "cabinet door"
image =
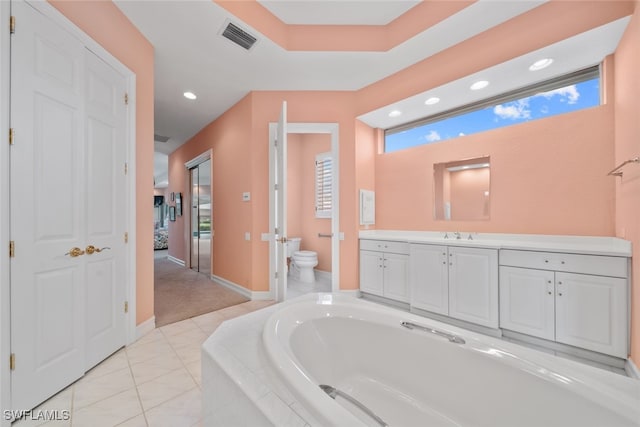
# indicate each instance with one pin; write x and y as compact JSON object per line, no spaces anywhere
{"x":473,"y":285}
{"x":591,"y":312}
{"x":429,"y":278}
{"x":527,"y":301}
{"x":371,"y":272}
{"x":396,"y":276}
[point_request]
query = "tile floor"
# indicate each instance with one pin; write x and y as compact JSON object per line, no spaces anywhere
{"x":153,"y":382}
{"x":296,"y":288}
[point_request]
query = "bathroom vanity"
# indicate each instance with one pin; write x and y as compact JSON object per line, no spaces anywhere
{"x":569,"y":290}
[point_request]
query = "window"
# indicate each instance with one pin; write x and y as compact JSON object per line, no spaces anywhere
{"x":568,"y":93}
{"x":324,"y":175}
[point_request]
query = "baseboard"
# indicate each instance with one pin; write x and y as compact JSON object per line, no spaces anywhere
{"x":355,"y":293}
{"x":326,"y":275}
{"x":145,"y":327}
{"x":252,"y":295}
{"x":176,"y":260}
{"x":631,"y":369}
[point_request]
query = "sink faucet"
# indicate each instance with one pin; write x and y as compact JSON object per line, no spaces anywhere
{"x":457,"y":235}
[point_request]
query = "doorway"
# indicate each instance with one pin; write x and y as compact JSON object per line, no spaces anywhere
{"x":278,"y":202}
{"x":201,"y":231}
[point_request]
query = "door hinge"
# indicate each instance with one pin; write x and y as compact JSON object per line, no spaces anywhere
{"x":276,"y":274}
{"x":126,"y":237}
{"x":126,"y":98}
{"x":11,"y":135}
{"x":275,"y":186}
{"x":12,"y":25}
{"x":276,"y":230}
{"x":126,"y":306}
{"x":12,"y":361}
{"x":126,"y":168}
{"x":12,"y":249}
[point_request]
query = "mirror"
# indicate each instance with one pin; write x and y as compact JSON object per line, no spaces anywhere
{"x":461,"y":189}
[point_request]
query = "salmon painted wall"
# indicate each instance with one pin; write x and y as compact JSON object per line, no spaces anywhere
{"x":312,"y":226}
{"x":367,"y":142}
{"x":229,"y":138}
{"x":108,"y":26}
{"x":547,"y":177}
{"x":467,"y":194}
{"x":627,"y":146}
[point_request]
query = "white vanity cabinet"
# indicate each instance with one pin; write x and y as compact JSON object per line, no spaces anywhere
{"x":384,"y":269}
{"x":455,"y":281}
{"x":574,"y":299}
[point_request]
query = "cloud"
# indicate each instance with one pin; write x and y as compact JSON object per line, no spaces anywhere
{"x":568,"y":93}
{"x":432,"y":136}
{"x":513,"y":110}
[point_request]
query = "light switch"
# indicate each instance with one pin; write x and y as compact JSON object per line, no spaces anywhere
{"x":247,"y":236}
{"x":246,"y":196}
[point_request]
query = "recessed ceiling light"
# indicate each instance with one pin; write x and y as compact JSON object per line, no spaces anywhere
{"x":540,"y":64}
{"x":432,"y":100}
{"x":480,"y":84}
{"x":190,"y":95}
{"x":395,"y":113}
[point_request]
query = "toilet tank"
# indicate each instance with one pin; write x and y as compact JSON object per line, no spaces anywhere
{"x":293,"y":245}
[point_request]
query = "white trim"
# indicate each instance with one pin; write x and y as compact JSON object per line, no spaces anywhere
{"x":5,"y":230}
{"x":323,"y":274}
{"x":355,"y":293}
{"x":252,"y":295}
{"x":631,"y":369}
{"x":145,"y":327}
{"x":198,"y":159}
{"x":176,"y":260}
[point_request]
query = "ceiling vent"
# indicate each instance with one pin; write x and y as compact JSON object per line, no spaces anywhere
{"x":239,"y":36}
{"x":160,"y":138}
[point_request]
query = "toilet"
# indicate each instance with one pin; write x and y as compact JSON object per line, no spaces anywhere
{"x":302,"y":262}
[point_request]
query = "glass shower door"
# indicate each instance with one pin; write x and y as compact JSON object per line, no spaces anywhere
{"x":201,"y":227}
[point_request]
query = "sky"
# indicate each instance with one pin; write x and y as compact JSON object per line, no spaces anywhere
{"x":558,"y":101}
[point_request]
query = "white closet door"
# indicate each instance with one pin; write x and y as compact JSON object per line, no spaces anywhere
{"x":67,"y":194}
{"x":47,"y":209}
{"x":105,"y":201}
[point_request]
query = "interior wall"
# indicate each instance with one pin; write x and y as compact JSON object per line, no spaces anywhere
{"x":627,"y":146}
{"x":108,"y":26}
{"x":229,"y":138}
{"x":312,"y":145}
{"x":547,"y":177}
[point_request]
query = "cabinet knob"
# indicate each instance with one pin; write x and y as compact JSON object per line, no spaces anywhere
{"x":450,"y":263}
{"x":549,"y":281}
{"x":559,"y":294}
{"x":444,"y":262}
{"x":559,"y":283}
{"x":562,"y":262}
{"x":546,"y":261}
{"x":549,"y":292}
{"x":444,"y":253}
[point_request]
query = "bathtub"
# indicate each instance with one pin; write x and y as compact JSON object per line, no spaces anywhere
{"x":369,"y":366}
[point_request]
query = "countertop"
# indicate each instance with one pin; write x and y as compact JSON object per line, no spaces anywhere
{"x":591,"y":245}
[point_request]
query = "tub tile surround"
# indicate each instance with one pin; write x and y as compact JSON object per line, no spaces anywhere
{"x":240,"y":387}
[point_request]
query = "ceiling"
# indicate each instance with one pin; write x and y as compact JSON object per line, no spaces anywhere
{"x":191,"y":55}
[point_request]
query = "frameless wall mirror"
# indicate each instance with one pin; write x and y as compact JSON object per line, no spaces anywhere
{"x":461,"y":189}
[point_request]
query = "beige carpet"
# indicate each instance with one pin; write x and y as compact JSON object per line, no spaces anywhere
{"x":181,"y":293}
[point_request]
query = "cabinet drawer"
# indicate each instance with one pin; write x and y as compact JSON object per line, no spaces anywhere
{"x":574,"y":263}
{"x":385,"y":246}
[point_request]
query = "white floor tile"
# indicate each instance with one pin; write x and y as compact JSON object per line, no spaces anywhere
{"x":165,"y":387}
{"x":109,"y":412}
{"x":182,"y":411}
{"x":88,"y":391}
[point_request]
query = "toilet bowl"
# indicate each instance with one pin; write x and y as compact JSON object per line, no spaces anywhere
{"x":303,"y":264}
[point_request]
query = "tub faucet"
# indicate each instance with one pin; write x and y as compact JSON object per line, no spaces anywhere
{"x":457,"y":235}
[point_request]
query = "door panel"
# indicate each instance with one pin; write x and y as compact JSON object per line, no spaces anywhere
{"x":46,"y":209}
{"x":67,"y":191}
{"x":105,"y":126}
{"x":281,"y":204}
{"x":429,"y":278}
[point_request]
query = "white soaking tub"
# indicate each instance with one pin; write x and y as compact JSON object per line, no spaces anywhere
{"x":431,"y":375}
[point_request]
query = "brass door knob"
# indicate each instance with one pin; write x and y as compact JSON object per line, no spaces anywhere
{"x":75,"y":252}
{"x":91,"y":249}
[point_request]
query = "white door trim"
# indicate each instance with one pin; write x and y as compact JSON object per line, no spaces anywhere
{"x":5,"y":328}
{"x":309,"y":128}
{"x":5,"y":231}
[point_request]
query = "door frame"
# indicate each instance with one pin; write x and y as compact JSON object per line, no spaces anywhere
{"x":5,"y":229}
{"x":307,"y":128}
{"x":202,"y":157}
